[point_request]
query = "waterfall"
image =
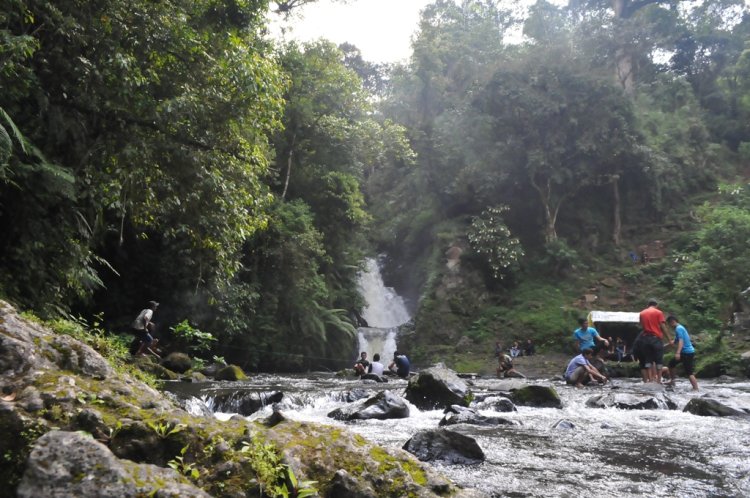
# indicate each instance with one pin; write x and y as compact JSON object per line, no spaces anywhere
{"x":384,"y":312}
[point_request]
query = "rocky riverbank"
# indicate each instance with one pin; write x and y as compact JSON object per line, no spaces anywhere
{"x":73,"y":425}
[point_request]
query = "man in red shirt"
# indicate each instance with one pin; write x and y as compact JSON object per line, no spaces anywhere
{"x":652,"y":342}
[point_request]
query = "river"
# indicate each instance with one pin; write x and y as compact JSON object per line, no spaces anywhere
{"x":609,"y":452}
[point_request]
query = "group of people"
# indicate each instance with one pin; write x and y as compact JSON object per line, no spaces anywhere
{"x":648,"y":350}
{"x":400,"y":365}
{"x":517,"y":350}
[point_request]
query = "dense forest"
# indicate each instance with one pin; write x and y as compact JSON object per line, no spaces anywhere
{"x":174,"y":151}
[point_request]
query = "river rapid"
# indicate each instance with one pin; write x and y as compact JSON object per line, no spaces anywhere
{"x":609,"y":452}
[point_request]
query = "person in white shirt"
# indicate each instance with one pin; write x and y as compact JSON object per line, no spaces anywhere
{"x":143,"y":328}
{"x":376,"y":367}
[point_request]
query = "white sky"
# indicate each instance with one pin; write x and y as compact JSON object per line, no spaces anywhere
{"x":381,"y":29}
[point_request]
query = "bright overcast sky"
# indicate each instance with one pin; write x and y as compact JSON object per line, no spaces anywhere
{"x":381,"y":29}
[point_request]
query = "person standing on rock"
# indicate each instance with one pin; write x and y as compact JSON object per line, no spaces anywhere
{"x":587,"y":337}
{"x":684,"y":353}
{"x":652,"y":341}
{"x":144,"y":329}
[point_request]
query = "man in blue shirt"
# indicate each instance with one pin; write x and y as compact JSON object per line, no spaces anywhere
{"x":400,"y":365}
{"x":580,"y":371}
{"x":586,"y":337}
{"x":684,"y":352}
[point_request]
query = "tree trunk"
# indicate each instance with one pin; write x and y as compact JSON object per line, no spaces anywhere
{"x":289,"y":166}
{"x":617,"y":221}
{"x":625,"y":71}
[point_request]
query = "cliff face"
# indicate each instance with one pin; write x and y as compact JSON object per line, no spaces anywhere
{"x":73,"y":425}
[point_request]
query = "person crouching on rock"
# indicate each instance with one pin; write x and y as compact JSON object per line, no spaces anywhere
{"x":580,"y":371}
{"x":144,"y":328}
{"x":505,"y":367}
{"x":360,"y":367}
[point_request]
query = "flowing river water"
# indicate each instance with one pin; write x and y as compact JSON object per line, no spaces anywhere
{"x":609,"y":452}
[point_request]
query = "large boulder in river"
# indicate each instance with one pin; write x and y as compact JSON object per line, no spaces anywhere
{"x":444,"y":446}
{"x":437,"y":387}
{"x":537,"y":396}
{"x":632,"y":401}
{"x":245,"y":403}
{"x":231,"y":372}
{"x":707,"y":407}
{"x":177,"y":362}
{"x":64,"y":464}
{"x":461,"y":415}
{"x":382,"y":406}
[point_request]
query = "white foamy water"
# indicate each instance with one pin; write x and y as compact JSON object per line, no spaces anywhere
{"x":384,"y":312}
{"x":609,"y":453}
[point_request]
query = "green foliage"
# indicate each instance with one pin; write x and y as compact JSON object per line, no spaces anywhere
{"x":713,"y":271}
{"x":196,"y":340}
{"x":114,"y":348}
{"x":185,"y":468}
{"x":558,"y":257}
{"x":490,"y":237}
{"x":165,"y":429}
{"x":277,"y":478}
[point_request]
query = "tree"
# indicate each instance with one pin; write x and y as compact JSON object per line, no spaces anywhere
{"x":558,"y":126}
{"x":160,"y":112}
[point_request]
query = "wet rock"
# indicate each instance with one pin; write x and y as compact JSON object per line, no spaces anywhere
{"x":437,"y":387}
{"x":384,"y":405}
{"x":177,"y":362}
{"x":496,"y":403}
{"x":344,"y":485}
{"x":274,"y":419}
{"x":193,"y":376}
{"x":507,"y":385}
{"x":245,"y":403}
{"x":461,"y":415}
{"x":231,"y":372}
{"x":65,"y":464}
{"x":564,"y":425}
{"x":707,"y":407}
{"x":537,"y":396}
{"x":444,"y":446}
{"x":376,"y":378}
{"x":632,"y":401}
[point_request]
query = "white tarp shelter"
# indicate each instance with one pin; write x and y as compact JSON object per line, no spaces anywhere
{"x":614,"y":317}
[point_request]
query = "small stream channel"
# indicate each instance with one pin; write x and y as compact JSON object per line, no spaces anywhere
{"x":610,"y":452}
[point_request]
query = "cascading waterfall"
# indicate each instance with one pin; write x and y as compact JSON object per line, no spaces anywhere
{"x":384,"y":312}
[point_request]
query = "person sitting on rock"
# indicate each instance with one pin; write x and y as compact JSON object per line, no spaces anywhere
{"x":361,"y":366}
{"x":400,"y":365}
{"x":376,"y":367}
{"x":505,"y":367}
{"x":580,"y":371}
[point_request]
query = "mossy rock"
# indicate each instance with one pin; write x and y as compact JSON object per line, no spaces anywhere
{"x":177,"y":362}
{"x":538,"y":396}
{"x":231,"y":372}
{"x":717,"y":364}
{"x":149,"y":365}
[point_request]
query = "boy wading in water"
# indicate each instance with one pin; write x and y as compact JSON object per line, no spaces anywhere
{"x":684,"y":353}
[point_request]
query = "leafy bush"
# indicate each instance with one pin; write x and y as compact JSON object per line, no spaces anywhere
{"x":491,"y":238}
{"x":195,"y":339}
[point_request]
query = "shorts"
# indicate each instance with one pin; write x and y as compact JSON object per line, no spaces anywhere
{"x":579,"y":375}
{"x":651,"y":350}
{"x":144,"y":336}
{"x":687,"y":360}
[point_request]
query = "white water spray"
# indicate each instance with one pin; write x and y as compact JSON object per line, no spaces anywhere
{"x":384,"y":312}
